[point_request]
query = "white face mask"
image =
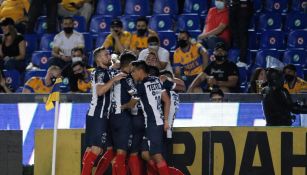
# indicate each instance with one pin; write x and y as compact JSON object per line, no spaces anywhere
{"x":219,"y":4}
{"x":153,"y":47}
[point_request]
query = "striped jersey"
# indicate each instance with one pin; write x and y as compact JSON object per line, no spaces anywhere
{"x":100,"y":105}
{"x":174,"y":97}
{"x":150,"y":91}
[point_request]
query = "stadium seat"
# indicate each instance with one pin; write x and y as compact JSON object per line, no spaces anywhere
{"x":41,"y":25}
{"x":299,"y":70}
{"x":298,"y":5}
{"x":35,"y":73}
{"x":100,"y":38}
{"x":272,"y":40}
{"x":137,"y":7}
{"x":167,"y":40}
{"x":12,"y":79}
{"x":129,"y":22}
{"x":242,"y":76}
{"x":194,"y":34}
{"x":46,"y":43}
{"x":89,"y":42}
{"x":269,"y":21}
{"x":253,"y":22}
{"x":188,"y":22}
{"x":295,"y":56}
{"x":109,"y":7}
{"x":100,"y":24}
{"x":297,"y":39}
{"x":41,"y":58}
{"x":166,"y":7}
{"x":31,"y":43}
{"x":279,"y":6}
{"x":253,"y":41}
{"x":263,"y":55}
{"x":196,"y":6}
{"x":296,"y":20}
{"x":233,"y":55}
{"x":161,"y":22}
{"x":79,"y":23}
{"x":257,"y":4}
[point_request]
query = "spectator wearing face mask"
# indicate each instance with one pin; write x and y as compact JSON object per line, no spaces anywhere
{"x":293,"y":83}
{"x":77,"y":54}
{"x":219,"y":73}
{"x":118,"y":40}
{"x":191,"y":57}
{"x":161,"y":53}
{"x":216,"y":26}
{"x":83,"y":76}
{"x":140,"y":37}
{"x":41,"y":85}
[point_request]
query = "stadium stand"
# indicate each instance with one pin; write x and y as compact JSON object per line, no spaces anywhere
{"x":109,"y":7}
{"x":40,"y":59}
{"x":137,"y":7}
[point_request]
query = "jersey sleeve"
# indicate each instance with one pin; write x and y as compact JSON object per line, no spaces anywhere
{"x":101,"y":78}
{"x":168,"y":85}
{"x":129,"y":85}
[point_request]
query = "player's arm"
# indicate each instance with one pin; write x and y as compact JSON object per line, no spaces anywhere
{"x":196,"y":82}
{"x":131,"y":104}
{"x":167,"y":104}
{"x":180,"y":86}
{"x":103,"y":88}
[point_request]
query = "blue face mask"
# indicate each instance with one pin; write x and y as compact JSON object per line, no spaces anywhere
{"x":219,"y":4}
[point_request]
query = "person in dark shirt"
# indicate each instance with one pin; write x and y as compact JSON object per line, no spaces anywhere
{"x":12,"y":47}
{"x":219,"y":73}
{"x":277,"y":102}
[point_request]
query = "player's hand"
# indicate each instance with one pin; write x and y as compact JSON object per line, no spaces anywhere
{"x":166,"y":126}
{"x":119,"y":77}
{"x":114,"y":34}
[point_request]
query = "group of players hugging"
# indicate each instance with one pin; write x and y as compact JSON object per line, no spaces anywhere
{"x":130,"y":117}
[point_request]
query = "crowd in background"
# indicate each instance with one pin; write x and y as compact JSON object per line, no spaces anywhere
{"x":226,"y":26}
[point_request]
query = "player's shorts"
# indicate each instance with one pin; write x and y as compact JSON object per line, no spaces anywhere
{"x":121,"y":130}
{"x":96,"y":131}
{"x":138,"y":131}
{"x":153,"y":140}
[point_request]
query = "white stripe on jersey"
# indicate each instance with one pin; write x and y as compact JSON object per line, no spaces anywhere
{"x":94,"y":95}
{"x":117,"y":97}
{"x":174,"y":97}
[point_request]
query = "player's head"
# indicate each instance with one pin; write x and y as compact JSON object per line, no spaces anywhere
{"x":102,"y":57}
{"x":153,"y":71}
{"x":53,"y":73}
{"x":216,"y":95}
{"x":125,"y":59}
{"x":79,"y":69}
{"x":139,"y":70}
{"x":167,"y":73}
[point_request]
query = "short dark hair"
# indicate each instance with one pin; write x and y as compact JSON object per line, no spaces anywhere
{"x":80,"y":63}
{"x":153,"y":39}
{"x":97,"y":51}
{"x":140,"y":64}
{"x":186,"y":32}
{"x":126,"y":58}
{"x":77,"y":49}
{"x":217,"y":91}
{"x":142,"y":18}
{"x":290,"y":66}
{"x":166,"y":72}
{"x":68,"y":18}
{"x":153,"y":71}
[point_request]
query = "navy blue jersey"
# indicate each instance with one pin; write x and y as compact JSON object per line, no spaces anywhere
{"x":122,"y":92}
{"x":100,"y":105}
{"x":150,"y":91}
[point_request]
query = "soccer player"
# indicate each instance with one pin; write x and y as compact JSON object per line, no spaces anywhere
{"x":149,"y":90}
{"x":97,"y":116}
{"x":120,"y":119}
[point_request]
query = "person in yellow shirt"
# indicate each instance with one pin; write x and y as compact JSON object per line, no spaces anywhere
{"x":293,"y":83}
{"x":41,"y":85}
{"x":17,"y":10}
{"x":76,"y":7}
{"x":118,"y":40}
{"x":191,"y":57}
{"x":83,"y":76}
{"x":140,"y":37}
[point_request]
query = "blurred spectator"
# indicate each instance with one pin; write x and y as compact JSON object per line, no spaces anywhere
{"x":77,"y":54}
{"x":163,"y":62}
{"x":293,"y":83}
{"x":42,"y":85}
{"x":216,"y":95}
{"x":258,"y":81}
{"x":15,"y":9}
{"x":76,"y":7}
{"x":83,"y":76}
{"x":35,"y":11}
{"x":12,"y":47}
{"x":240,"y":12}
{"x":216,"y":26}
{"x":219,"y":73}
{"x":118,"y":40}
{"x":139,"y":39}
{"x":192,"y":58}
{"x":3,"y":86}
{"x":64,"y":42}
